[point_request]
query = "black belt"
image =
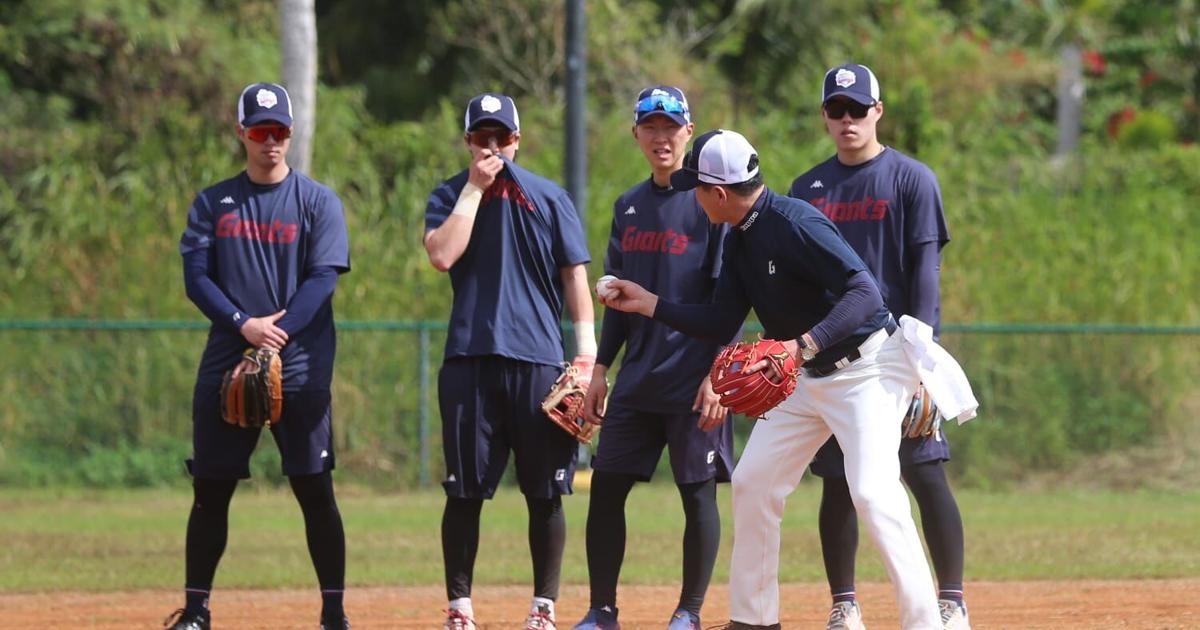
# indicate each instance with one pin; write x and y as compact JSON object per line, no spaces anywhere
{"x":821,"y":371}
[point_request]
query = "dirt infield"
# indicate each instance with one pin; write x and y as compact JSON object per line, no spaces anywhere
{"x":1148,"y":604}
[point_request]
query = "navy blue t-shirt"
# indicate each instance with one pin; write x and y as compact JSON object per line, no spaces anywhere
{"x":508,"y":293}
{"x":264,"y":240}
{"x":662,"y":240}
{"x":883,"y":207}
{"x":789,"y":262}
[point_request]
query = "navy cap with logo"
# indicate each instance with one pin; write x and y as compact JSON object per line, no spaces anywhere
{"x":662,"y":100}
{"x":264,"y":102}
{"x":493,"y":107}
{"x":852,"y":80}
{"x":719,"y":157}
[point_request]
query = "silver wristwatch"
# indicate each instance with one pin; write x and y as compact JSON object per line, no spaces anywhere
{"x":807,"y":352}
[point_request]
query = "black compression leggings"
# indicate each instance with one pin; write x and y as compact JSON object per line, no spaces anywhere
{"x":460,"y":544}
{"x":940,"y":521}
{"x":606,"y":537}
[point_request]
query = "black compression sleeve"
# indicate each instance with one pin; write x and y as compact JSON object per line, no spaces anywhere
{"x":612,"y":336}
{"x":206,"y":295}
{"x":313,"y":292}
{"x":924,"y":283}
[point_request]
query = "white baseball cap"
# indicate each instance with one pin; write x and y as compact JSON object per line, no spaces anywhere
{"x":719,"y":157}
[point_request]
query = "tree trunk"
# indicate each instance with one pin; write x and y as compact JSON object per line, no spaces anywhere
{"x":1070,"y":99}
{"x":298,"y":41}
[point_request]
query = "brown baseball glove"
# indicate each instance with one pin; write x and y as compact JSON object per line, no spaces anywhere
{"x":564,"y":404}
{"x":753,"y":394}
{"x":253,"y":396}
{"x":923,"y":418}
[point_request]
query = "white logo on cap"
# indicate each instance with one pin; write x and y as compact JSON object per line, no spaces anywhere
{"x":658,"y":92}
{"x":844,"y":78}
{"x":266,"y":98}
{"x":490,"y":104}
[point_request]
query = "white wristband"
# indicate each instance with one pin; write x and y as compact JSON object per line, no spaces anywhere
{"x":468,"y":201}
{"x":585,"y":339}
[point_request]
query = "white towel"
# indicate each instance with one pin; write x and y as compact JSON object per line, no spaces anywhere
{"x":943,"y":377}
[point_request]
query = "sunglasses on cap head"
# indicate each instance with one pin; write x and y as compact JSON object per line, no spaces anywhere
{"x":661,"y":103}
{"x":484,"y":136}
{"x":260,"y":133}
{"x":836,"y":108}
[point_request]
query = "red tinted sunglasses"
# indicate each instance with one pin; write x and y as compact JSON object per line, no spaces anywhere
{"x":837,"y":108}
{"x":260,"y":133}
{"x":484,"y":137}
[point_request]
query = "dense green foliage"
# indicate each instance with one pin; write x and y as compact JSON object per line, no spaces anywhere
{"x":114,"y":113}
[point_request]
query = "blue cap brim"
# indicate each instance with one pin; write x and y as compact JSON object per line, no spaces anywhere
{"x":676,"y":118}
{"x":857,"y":97}
{"x":268,"y":116}
{"x":508,"y":124}
{"x":683,"y":179}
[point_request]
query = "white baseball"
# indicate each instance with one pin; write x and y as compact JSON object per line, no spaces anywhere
{"x":602,"y":289}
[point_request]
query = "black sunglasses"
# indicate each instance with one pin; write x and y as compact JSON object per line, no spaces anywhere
{"x":838,"y":108}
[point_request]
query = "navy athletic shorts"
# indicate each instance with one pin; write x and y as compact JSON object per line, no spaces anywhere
{"x":829,"y":461}
{"x":631,"y":443}
{"x":491,"y":404}
{"x":304,"y":435}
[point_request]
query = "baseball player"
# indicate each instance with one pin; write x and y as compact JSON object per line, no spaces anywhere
{"x":661,"y":239}
{"x":811,"y":291}
{"x":261,"y":256}
{"x":515,"y":251}
{"x":889,"y":209}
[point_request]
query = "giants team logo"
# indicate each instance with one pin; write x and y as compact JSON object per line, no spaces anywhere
{"x":266,"y":98}
{"x":844,"y":78}
{"x":667,"y":242}
{"x":506,"y":189}
{"x":844,"y":211}
{"x":231,"y":225}
{"x":490,"y":104}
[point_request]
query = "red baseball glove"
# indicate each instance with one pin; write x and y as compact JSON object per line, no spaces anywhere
{"x":753,"y":394}
{"x":564,"y":404}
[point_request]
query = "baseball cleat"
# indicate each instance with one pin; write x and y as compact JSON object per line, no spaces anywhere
{"x":599,"y":619}
{"x":737,"y":625}
{"x":684,"y":620}
{"x":540,"y":619}
{"x":954,"y":615}
{"x":344,"y":624}
{"x":183,"y":620}
{"x":458,"y":620}
{"x":845,"y":616}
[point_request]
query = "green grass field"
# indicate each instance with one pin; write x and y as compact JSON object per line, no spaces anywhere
{"x":107,"y":541}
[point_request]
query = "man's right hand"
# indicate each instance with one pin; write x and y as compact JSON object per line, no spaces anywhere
{"x":484,"y":168}
{"x":597,"y":396}
{"x":630,"y":297}
{"x":262,"y":331}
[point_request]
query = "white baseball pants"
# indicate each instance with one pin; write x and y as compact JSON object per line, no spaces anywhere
{"x":862,"y":404}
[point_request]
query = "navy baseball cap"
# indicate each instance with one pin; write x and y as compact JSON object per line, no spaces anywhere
{"x":494,"y":107}
{"x":720,"y":157}
{"x":264,"y":102}
{"x":664,"y":100}
{"x":852,"y":80}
